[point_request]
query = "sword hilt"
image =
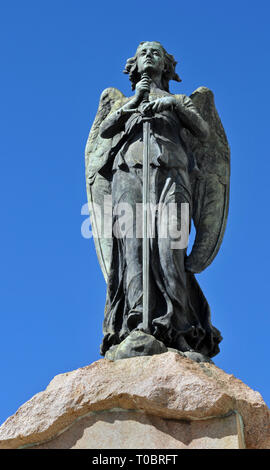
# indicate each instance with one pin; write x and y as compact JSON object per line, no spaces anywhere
{"x":146,"y":94}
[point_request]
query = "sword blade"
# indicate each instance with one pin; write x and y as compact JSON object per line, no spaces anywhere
{"x":146,"y":222}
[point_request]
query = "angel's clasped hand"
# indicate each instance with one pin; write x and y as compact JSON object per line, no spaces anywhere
{"x":142,"y":87}
{"x":161,"y":104}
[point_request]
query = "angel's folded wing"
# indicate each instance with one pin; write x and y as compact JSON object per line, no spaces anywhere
{"x":96,"y":152}
{"x":210,"y":180}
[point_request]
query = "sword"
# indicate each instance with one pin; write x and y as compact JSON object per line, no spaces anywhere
{"x":146,"y":217}
{"x":144,"y":325}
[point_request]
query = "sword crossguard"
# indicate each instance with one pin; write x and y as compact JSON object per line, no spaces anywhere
{"x":146,"y":118}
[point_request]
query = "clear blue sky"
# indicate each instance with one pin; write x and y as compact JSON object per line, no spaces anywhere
{"x":56,"y":58}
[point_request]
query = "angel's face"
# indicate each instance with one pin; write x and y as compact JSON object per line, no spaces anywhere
{"x":150,"y":58}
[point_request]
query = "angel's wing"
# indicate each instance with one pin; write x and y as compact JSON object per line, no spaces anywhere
{"x":96,"y":153}
{"x":210,"y":180}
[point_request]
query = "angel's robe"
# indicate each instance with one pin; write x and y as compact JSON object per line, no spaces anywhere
{"x":178,"y":311}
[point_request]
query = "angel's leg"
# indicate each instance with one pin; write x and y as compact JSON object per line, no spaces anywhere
{"x":176,"y":317}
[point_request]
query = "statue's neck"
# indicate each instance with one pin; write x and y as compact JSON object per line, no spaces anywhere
{"x":156,"y":82}
{"x":155,"y":86}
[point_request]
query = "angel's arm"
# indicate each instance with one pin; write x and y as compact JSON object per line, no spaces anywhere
{"x":190,"y":117}
{"x":115,"y":122}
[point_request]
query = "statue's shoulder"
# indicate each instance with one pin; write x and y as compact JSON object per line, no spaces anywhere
{"x":180,"y":95}
{"x":201,"y":91}
{"x":183,"y":98}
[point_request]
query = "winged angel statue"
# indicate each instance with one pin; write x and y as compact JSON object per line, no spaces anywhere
{"x":189,"y":163}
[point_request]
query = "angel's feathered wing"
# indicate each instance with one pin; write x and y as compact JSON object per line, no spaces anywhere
{"x":210,"y":179}
{"x":97,"y":151}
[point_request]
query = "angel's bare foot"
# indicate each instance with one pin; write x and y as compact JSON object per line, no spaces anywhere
{"x":182,"y":345}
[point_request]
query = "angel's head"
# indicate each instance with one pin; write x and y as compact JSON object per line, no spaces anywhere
{"x":151,"y":57}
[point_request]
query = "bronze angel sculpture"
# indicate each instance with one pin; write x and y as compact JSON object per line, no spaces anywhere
{"x":189,"y":163}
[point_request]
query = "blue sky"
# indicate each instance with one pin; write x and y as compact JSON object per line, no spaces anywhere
{"x":57,"y":57}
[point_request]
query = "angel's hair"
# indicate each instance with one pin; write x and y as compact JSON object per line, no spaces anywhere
{"x":169,"y":69}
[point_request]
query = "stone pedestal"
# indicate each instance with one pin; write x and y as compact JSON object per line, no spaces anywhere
{"x":165,"y":401}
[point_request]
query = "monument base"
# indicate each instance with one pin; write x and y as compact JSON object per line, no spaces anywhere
{"x":165,"y":401}
{"x":127,"y":429}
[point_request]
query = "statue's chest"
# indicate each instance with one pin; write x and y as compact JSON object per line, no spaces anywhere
{"x":158,"y":94}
